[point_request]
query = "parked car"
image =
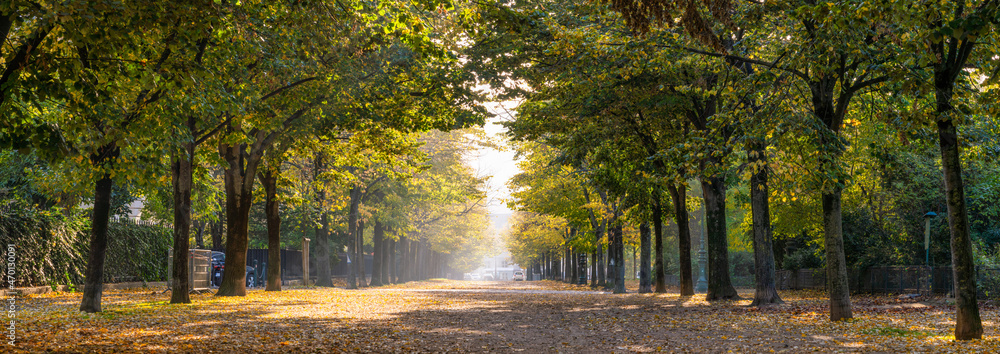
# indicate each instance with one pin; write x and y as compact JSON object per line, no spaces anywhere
{"x":518,"y":275}
{"x":219,"y":264}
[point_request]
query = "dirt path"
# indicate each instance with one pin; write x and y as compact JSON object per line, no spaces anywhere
{"x":450,"y":316}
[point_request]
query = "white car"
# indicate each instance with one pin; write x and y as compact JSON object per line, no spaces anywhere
{"x":519,"y":276}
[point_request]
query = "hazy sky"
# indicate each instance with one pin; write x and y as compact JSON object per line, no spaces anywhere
{"x":499,"y":165}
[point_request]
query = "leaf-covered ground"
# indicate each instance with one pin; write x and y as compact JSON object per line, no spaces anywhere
{"x":439,"y":316}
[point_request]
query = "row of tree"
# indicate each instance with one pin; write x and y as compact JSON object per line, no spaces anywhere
{"x":627,"y":101}
{"x":239,"y":96}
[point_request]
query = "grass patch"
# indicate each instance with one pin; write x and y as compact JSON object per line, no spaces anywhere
{"x":894,"y":332}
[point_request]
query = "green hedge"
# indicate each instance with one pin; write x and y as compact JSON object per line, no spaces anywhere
{"x":52,"y":247}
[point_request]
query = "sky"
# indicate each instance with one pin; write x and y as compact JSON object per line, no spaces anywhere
{"x":499,"y":165}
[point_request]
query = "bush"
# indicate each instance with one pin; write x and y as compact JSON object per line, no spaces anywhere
{"x":52,"y":246}
{"x":803,"y":258}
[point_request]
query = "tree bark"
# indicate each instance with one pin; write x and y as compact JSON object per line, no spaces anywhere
{"x":546,"y":273}
{"x":566,"y":268}
{"x":401,"y":273}
{"x":593,"y":266}
{"x":763,"y":248}
{"x":378,"y":234}
{"x":419,"y":260}
{"x":182,"y":177}
{"x":238,"y":201}
{"x":270,"y":181}
{"x":199,"y":239}
{"x":217,"y":228}
{"x":386,"y":277}
{"x":660,"y":277}
{"x":359,"y":251}
{"x":352,"y":231}
{"x":836,"y":264}
{"x":394,"y":273}
{"x":612,"y":271}
{"x":619,"y":248}
{"x":968,"y":324}
{"x":570,"y":267}
{"x":678,"y":194}
{"x":93,"y":284}
{"x":645,"y":286}
{"x":720,"y":285}
{"x":324,"y":276}
{"x":240,"y":172}
{"x":414,"y":261}
{"x":574,"y":260}
{"x":602,"y":274}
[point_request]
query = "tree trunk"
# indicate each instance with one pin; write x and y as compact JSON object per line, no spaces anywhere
{"x":324,"y":276}
{"x":566,"y":276}
{"x":644,"y":279}
{"x":93,"y":284}
{"x":237,"y":223}
{"x":217,"y":229}
{"x":384,"y":278}
{"x":593,"y":266}
{"x":763,"y":249}
{"x":720,"y":286}
{"x":352,"y":230}
{"x":660,"y":277}
{"x":418,"y":258}
{"x":270,"y":182}
{"x":679,"y":198}
{"x":602,"y":279}
{"x":554,"y":258}
{"x":394,"y":273}
{"x":619,"y":259}
{"x":412,"y":263}
{"x":611,"y":274}
{"x":387,"y":270}
{"x":377,"y":235}
{"x":401,"y":273}
{"x":968,"y":324}
{"x":240,"y":173}
{"x":182,"y":177}
{"x":836,"y":265}
{"x":199,"y":239}
{"x":359,"y":247}
{"x":546,"y":263}
{"x":574,"y":261}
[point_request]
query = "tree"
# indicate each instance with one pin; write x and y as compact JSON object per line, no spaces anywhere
{"x":952,"y":32}
{"x":103,"y":89}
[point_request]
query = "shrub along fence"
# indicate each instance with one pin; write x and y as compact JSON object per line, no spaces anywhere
{"x":893,"y":280}
{"x":51,"y":247}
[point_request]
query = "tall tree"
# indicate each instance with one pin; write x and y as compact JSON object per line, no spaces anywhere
{"x":954,"y":31}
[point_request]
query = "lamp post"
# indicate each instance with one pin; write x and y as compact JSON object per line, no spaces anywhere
{"x":927,"y":248}
{"x":927,"y":236}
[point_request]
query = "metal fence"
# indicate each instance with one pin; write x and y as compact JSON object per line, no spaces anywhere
{"x":291,"y":263}
{"x":199,"y":268}
{"x":893,"y":280}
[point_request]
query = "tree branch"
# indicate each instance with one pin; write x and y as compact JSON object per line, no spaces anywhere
{"x":286,"y":87}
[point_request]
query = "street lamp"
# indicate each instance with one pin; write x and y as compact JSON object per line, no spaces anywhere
{"x":927,"y":236}
{"x":927,"y":248}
